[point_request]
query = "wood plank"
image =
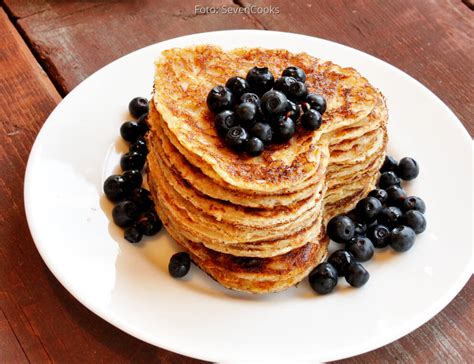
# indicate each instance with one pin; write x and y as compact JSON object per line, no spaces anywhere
{"x":10,"y":348}
{"x":430,"y":41}
{"x":39,"y":320}
{"x":67,"y":35}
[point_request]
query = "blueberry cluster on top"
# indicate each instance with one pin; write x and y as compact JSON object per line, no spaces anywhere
{"x":386,"y":217}
{"x":134,"y":210}
{"x":259,"y":110}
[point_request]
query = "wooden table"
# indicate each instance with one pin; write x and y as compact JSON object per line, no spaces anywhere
{"x":48,"y":47}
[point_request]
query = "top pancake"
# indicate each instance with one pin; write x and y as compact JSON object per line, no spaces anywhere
{"x":184,"y":77}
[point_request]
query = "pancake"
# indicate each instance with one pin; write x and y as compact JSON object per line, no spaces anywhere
{"x":257,"y":224}
{"x":183,"y":78}
{"x":247,"y":274}
{"x":228,"y":212}
{"x":205,"y":185}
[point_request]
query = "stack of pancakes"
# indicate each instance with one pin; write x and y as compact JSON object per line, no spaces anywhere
{"x":257,"y":224}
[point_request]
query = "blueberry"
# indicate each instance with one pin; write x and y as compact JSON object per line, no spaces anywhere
{"x":379,"y":194}
{"x":143,"y":123}
{"x":246,"y":113}
{"x":316,"y":102}
{"x":149,"y":223}
{"x":124,"y":213}
{"x":388,"y":179}
{"x":402,"y":238}
{"x":284,"y":129}
{"x":250,"y":97}
{"x":274,"y":103}
{"x":352,"y":214}
{"x":115,"y":188}
{"x":340,"y":229}
{"x":224,"y":121}
{"x":219,"y":98}
{"x":260,"y":80}
{"x":356,"y":275}
{"x":340,"y":260}
{"x":379,"y":235}
{"x":295,"y":72}
{"x":133,"y":178}
{"x":414,"y":203}
{"x":390,"y":216}
{"x":283,"y":84}
{"x":414,"y":219}
{"x":262,"y":131}
{"x":141,"y":197}
{"x":361,"y":248}
{"x":132,"y":160}
{"x":323,"y":278}
{"x":254,"y":146}
{"x":179,"y":265}
{"x":236,"y":137}
{"x":293,"y":110}
{"x":368,"y":208}
{"x":389,"y":164}
{"x":360,"y":229}
{"x":138,"y":106}
{"x":297,"y":91}
{"x":139,"y":146}
{"x":311,"y":119}
{"x":396,"y":196}
{"x":133,"y":234}
{"x":131,"y":131}
{"x":408,"y":169}
{"x":237,"y":85}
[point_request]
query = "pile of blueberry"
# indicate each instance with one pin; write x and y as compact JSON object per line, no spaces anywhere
{"x":385,"y":217}
{"x":259,"y":110}
{"x":134,"y":210}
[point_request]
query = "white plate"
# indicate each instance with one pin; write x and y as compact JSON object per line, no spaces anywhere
{"x":129,"y":286}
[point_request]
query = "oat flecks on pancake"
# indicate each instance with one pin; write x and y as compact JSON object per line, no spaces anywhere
{"x":257,"y":224}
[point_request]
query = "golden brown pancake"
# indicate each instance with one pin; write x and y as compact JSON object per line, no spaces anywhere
{"x":256,"y":224}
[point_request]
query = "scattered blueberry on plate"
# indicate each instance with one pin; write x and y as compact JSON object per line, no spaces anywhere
{"x":323,"y":278}
{"x":134,"y":209}
{"x":386,"y":217}
{"x":179,"y":265}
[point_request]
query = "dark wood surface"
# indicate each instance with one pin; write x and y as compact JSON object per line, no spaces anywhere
{"x":48,"y":47}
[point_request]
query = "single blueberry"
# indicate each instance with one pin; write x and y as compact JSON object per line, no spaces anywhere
{"x":340,"y":260}
{"x":219,"y":98}
{"x":340,"y":229}
{"x":414,"y":219}
{"x":379,"y":235}
{"x":138,"y":106}
{"x":402,"y":238}
{"x":323,"y":278}
{"x":408,"y":169}
{"x":179,"y":265}
{"x":361,"y":248}
{"x":414,"y":203}
{"x":356,"y":275}
{"x":295,"y":72}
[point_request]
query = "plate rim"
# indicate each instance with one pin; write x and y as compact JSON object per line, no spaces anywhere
{"x":403,"y":330}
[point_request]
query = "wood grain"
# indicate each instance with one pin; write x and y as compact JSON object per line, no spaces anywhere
{"x":74,"y":39}
{"x":39,"y":320}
